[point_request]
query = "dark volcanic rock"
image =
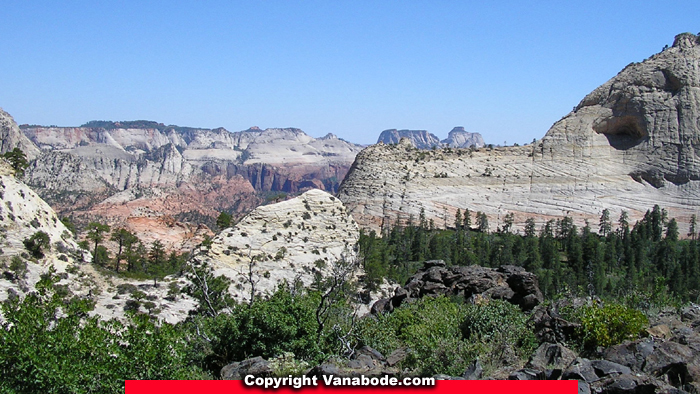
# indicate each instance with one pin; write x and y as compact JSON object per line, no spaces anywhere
{"x":256,"y":366}
{"x":365,"y":362}
{"x":551,"y":355}
{"x":509,"y":283}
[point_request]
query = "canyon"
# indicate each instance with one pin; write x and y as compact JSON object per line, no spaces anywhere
{"x":168,"y":182}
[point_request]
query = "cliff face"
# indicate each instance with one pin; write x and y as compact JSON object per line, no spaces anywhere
{"x":460,"y":138}
{"x":23,"y":215}
{"x":142,"y":172}
{"x":11,"y":137}
{"x":421,"y":139}
{"x":630,"y":144}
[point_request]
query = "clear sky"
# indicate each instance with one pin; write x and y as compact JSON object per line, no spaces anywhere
{"x":354,"y":68}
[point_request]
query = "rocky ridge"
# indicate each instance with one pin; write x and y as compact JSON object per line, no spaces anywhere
{"x":287,"y":242}
{"x":147,"y":175}
{"x":22,"y":215}
{"x":421,"y":139}
{"x":630,"y":144}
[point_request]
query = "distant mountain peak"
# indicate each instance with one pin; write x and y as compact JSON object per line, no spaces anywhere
{"x":421,"y":139}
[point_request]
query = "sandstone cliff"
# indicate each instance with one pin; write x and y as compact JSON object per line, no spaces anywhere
{"x":630,"y":144}
{"x":460,"y":138}
{"x":290,"y":242}
{"x":145,"y":175}
{"x":23,"y":214}
{"x":421,"y":139}
{"x":11,"y":137}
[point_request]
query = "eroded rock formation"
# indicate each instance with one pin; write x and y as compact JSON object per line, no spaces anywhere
{"x":632,"y":143}
{"x":287,"y":242}
{"x":147,"y":175}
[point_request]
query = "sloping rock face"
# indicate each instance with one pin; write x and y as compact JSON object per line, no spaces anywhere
{"x":23,"y":214}
{"x":154,"y":174}
{"x":11,"y":137}
{"x":288,"y":242}
{"x":630,"y":144}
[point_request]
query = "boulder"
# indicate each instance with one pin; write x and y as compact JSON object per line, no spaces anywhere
{"x":527,"y":374}
{"x":580,"y":369}
{"x":508,"y":282}
{"x":256,"y":366}
{"x":397,"y":356}
{"x":630,"y":354}
{"x":552,"y":356}
{"x":365,"y":362}
{"x":474,"y":371}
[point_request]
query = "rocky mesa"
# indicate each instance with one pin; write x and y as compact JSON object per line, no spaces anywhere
{"x":148,"y":176}
{"x":630,"y":144}
{"x":421,"y":139}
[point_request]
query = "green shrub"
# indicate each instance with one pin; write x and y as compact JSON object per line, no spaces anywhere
{"x":444,"y":336}
{"x":37,"y":244}
{"x":607,"y":325}
{"x":428,"y":327}
{"x":19,"y":267}
{"x":268,"y":328}
{"x":500,"y":325}
{"x":50,"y":345}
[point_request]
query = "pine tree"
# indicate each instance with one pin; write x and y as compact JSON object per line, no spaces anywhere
{"x":124,"y":239}
{"x":692,"y":230}
{"x":605,"y":225}
{"x":458,"y":219}
{"x":508,"y":222}
{"x":156,"y":261}
{"x":18,"y":161}
{"x":530,"y":227}
{"x":482,"y":222}
{"x":467,"y":219}
{"x":224,"y":220}
{"x":96,"y":232}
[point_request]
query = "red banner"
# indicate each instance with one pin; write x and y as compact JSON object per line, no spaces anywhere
{"x":441,"y":387}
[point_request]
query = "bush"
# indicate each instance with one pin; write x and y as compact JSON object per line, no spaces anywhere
{"x":19,"y":267}
{"x":268,"y":328}
{"x":445,"y":337}
{"x":37,"y":244}
{"x":502,"y":326}
{"x":428,"y":327}
{"x":50,"y":345}
{"x":607,"y":325}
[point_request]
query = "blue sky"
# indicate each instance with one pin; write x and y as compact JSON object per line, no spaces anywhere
{"x":354,"y":68}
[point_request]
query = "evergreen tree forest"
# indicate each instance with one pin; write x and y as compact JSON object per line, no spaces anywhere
{"x":614,"y":259}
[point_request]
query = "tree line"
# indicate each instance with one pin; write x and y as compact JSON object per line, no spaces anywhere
{"x":647,"y":258}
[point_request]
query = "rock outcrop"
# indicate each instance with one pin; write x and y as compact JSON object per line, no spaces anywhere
{"x":460,"y":138}
{"x":11,"y":137}
{"x":630,"y":144}
{"x":287,"y":242}
{"x":421,"y":139}
{"x":23,"y":215}
{"x":151,"y":174}
{"x":508,"y":282}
